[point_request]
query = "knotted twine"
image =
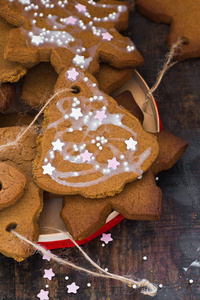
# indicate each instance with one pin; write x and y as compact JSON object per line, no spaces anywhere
{"x":167,"y":65}
{"x":147,"y":288}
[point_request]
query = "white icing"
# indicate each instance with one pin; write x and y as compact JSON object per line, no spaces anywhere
{"x":78,"y":153}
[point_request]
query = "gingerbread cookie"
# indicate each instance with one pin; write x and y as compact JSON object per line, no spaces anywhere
{"x":9,"y":71}
{"x":12,"y":185}
{"x":170,"y":150}
{"x":39,"y":82}
{"x":183,"y":16}
{"x":39,"y":85}
{"x":139,"y":200}
{"x":69,"y":33}
{"x":89,"y":145}
{"x":23,"y":215}
{"x":7,"y":96}
{"x":127,"y":101}
{"x":110,"y":79}
{"x":84,"y":216}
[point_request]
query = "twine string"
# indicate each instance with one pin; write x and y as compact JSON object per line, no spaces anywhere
{"x":167,"y":65}
{"x":18,"y":138}
{"x":147,"y":287}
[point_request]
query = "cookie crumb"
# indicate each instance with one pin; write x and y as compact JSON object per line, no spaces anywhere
{"x":88,"y":284}
{"x":191,"y":281}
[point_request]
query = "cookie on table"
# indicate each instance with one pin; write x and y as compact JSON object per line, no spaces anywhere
{"x":183,"y":17}
{"x":23,"y":215}
{"x":139,"y":200}
{"x":7,"y":96}
{"x":89,"y":145}
{"x":10,"y":71}
{"x":66,"y":33}
{"x":40,"y":80}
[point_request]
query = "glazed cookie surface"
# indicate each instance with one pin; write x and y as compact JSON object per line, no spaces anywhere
{"x":184,"y":20}
{"x":69,"y":33}
{"x":89,"y":145}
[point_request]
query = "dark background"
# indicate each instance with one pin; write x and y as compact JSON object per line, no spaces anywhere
{"x":169,"y":244}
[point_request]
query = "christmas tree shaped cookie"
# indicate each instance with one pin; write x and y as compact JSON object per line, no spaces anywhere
{"x":184,"y":18}
{"x":89,"y":145}
{"x":69,"y":32}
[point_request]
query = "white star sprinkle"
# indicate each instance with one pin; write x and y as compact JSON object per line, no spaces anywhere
{"x":131,"y":144}
{"x":57,"y":145}
{"x":48,"y":169}
{"x":79,"y":59}
{"x":76,"y":113}
{"x":37,"y":40}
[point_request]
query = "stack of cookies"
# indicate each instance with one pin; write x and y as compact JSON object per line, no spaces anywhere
{"x":89,"y":148}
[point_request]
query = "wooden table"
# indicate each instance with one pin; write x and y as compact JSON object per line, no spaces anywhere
{"x":169,"y":244}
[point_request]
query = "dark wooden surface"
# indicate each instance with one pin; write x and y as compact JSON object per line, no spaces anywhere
{"x":169,"y":244}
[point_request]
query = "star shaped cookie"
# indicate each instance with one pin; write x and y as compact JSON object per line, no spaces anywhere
{"x":139,"y":200}
{"x":184,"y":20}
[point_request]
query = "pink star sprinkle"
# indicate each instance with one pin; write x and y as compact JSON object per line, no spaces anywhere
{"x":72,"y":74}
{"x":72,"y":288}
{"x":107,"y":36}
{"x":71,"y":20}
{"x":48,"y":274}
{"x":106,"y":238}
{"x":100,"y":115}
{"x":86,"y":156}
{"x":80,"y":7}
{"x":113,"y":163}
{"x":43,"y":295}
{"x":46,"y":256}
